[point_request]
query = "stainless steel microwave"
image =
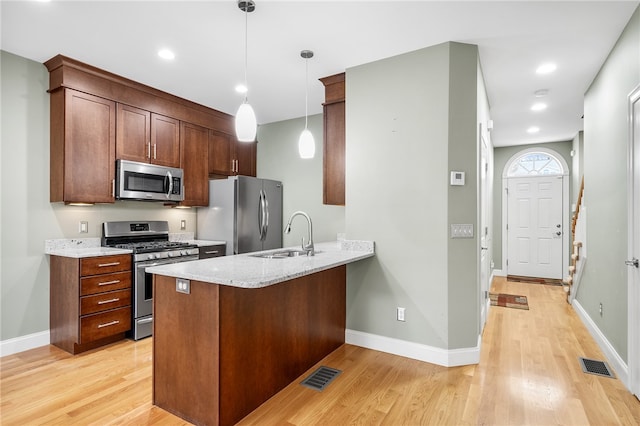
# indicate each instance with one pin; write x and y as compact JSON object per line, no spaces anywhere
{"x":142,"y":181}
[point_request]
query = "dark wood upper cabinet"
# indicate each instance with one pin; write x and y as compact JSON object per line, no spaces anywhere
{"x":98,"y":117}
{"x":147,"y":137}
{"x":133,"y":139}
{"x":334,"y":126}
{"x":228,"y":157}
{"x":83,"y":130}
{"x":246,"y":153}
{"x":194,"y":150}
{"x":165,"y":141}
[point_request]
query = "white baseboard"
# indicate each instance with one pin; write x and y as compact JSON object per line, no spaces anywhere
{"x":418,"y":351}
{"x":616,"y":362}
{"x":499,"y":273}
{"x":24,"y":343}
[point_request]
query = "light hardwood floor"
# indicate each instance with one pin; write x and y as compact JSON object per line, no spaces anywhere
{"x":528,"y":375}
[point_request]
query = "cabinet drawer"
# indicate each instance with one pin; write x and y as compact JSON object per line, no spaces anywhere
{"x":104,"y":301}
{"x":216,"y":250}
{"x":102,"y":283}
{"x":97,"y":326}
{"x":104,"y":264}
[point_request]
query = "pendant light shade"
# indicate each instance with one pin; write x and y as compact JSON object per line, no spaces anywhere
{"x":246,"y":124}
{"x":306,"y":143}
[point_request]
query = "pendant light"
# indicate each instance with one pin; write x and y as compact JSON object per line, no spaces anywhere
{"x":306,"y":143}
{"x":246,"y":123}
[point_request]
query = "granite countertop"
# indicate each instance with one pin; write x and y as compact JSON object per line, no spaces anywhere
{"x":248,"y":271}
{"x":90,"y":247}
{"x":80,"y":247}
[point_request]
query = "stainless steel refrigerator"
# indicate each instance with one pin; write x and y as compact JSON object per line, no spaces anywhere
{"x":244,"y":211}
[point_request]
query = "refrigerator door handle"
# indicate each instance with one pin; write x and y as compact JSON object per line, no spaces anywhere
{"x":261,"y":216}
{"x":266,"y":215}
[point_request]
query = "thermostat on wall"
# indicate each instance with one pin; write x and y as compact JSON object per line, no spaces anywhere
{"x":457,"y":178}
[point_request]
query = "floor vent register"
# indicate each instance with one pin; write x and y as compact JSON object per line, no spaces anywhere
{"x":321,"y":378}
{"x":596,"y":367}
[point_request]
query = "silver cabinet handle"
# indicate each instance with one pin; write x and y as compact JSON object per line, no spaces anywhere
{"x":155,"y":151}
{"x":145,"y":321}
{"x":107,"y":324}
{"x":113,"y":187}
{"x":104,"y":302}
{"x":102,"y":265}
{"x":212,"y":252}
{"x":633,"y":262}
{"x":109,"y":282}
{"x":148,"y":149}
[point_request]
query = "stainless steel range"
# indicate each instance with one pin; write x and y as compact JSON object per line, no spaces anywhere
{"x":150,"y":244}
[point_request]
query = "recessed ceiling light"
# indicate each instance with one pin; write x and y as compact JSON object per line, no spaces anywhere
{"x":533,"y":129}
{"x":541,"y":93}
{"x":546,"y":68}
{"x":540,"y":106}
{"x":241,"y":88}
{"x":166,"y":54}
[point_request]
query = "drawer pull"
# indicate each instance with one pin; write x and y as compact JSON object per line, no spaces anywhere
{"x":212,"y":252}
{"x":107,"y":324}
{"x":109,"y":282}
{"x":102,"y":265}
{"x":103,"y":302}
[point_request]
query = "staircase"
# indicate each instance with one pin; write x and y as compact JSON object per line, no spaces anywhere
{"x":578,"y":256}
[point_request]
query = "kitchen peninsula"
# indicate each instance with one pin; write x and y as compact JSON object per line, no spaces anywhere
{"x":231,"y":332}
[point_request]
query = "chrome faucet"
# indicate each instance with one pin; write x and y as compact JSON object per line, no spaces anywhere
{"x":309,"y":246}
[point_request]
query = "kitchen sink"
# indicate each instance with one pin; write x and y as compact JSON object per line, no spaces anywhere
{"x":282,"y":254}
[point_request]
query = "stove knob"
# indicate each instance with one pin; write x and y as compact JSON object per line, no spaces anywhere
{"x":184,"y":252}
{"x":156,"y":256}
{"x":170,"y":254}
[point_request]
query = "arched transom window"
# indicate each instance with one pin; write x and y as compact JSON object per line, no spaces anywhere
{"x":535,"y":163}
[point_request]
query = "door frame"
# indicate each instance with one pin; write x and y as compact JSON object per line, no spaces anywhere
{"x":485,"y":198}
{"x":633,"y":280}
{"x":566,"y":231}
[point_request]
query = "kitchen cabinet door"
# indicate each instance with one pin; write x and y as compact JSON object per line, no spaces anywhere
{"x":83,"y":133}
{"x":147,"y":137}
{"x":194,"y":147}
{"x":220,"y":151}
{"x":246,"y":158}
{"x":165,"y":141}
{"x":228,"y":157}
{"x":133,"y":139}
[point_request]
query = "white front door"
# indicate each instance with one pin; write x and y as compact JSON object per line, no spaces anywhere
{"x":534,"y":227}
{"x":634,"y":244}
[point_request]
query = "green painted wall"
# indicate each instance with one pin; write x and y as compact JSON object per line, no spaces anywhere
{"x":606,"y":136}
{"x":409,"y":119}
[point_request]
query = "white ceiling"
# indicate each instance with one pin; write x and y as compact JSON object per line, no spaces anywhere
{"x":514,"y":37}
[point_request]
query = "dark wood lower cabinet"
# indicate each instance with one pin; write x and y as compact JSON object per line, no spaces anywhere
{"x":221,"y":351}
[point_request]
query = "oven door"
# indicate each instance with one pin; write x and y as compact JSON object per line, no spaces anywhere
{"x":143,"y":295}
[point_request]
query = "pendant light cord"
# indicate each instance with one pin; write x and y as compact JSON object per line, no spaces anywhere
{"x":246,"y":48}
{"x":306,"y":93}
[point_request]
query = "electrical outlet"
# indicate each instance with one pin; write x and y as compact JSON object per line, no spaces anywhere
{"x":400,"y":313}
{"x":83,"y":227}
{"x":183,"y":286}
{"x":600,"y":309}
{"x":183,"y":224}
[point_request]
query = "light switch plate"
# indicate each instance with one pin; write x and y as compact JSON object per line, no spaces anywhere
{"x":462,"y":230}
